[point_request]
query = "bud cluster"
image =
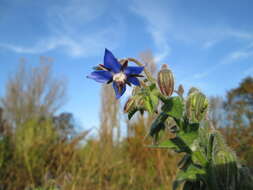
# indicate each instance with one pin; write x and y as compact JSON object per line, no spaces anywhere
{"x":165,"y":81}
{"x":196,"y":106}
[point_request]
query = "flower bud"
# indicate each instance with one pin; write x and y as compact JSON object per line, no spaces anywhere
{"x":196,"y":106}
{"x":165,"y":81}
{"x":225,"y":168}
{"x":192,"y":90}
{"x":140,"y":102}
{"x":135,"y":90}
{"x":180,"y":90}
{"x":130,"y":104}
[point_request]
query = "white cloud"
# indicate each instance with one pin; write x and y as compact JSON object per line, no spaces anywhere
{"x":155,"y":16}
{"x":165,"y":23}
{"x":40,"y":47}
{"x":220,"y":33}
{"x":201,"y":75}
{"x":69,"y":30}
{"x":210,"y":43}
{"x":236,"y":56}
{"x":229,"y":59}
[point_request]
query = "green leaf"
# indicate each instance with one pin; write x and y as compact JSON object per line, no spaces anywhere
{"x":183,"y":147}
{"x":166,"y":144}
{"x":191,"y":174}
{"x":151,"y":102}
{"x":154,"y":99}
{"x":152,"y":87}
{"x":193,"y":127}
{"x":176,"y":144}
{"x":181,"y":143}
{"x":199,"y":158}
{"x":158,"y":124}
{"x":185,"y":162}
{"x":188,"y":138}
{"x":149,"y":98}
{"x":148,"y":104}
{"x":174,"y":107}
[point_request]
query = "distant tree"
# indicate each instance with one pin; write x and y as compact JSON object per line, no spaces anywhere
{"x":239,"y":108}
{"x":239,"y":103}
{"x":2,"y":122}
{"x":109,"y":114}
{"x":65,"y":125}
{"x":32,"y":92}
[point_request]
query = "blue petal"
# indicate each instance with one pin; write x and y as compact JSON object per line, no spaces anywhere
{"x":111,"y":62}
{"x":132,"y":70}
{"x":133,"y":80}
{"x":119,"y":92}
{"x":100,"y":76}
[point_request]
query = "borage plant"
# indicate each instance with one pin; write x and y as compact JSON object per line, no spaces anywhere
{"x":207,"y":162}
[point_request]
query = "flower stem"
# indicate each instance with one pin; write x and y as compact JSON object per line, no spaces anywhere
{"x":149,"y":76}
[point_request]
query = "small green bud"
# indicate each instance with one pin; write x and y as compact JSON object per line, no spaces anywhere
{"x":192,"y":90}
{"x":140,"y":102}
{"x":165,"y":81}
{"x":196,"y":106}
{"x":129,"y":105}
{"x":226,"y":169}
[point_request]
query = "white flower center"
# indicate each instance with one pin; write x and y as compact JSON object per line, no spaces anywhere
{"x":119,"y":77}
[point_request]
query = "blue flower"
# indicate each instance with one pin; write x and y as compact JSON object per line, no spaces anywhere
{"x":119,"y":74}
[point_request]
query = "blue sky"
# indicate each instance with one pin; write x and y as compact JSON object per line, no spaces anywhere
{"x":208,"y":44}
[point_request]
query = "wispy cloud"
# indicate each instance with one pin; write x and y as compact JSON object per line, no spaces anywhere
{"x":228,"y":59}
{"x":68,"y":30}
{"x":210,"y":43}
{"x":221,"y":33}
{"x":166,"y":24}
{"x":40,"y":47}
{"x":236,"y":56}
{"x":157,"y":24}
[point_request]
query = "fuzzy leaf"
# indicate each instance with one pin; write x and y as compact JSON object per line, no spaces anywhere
{"x":199,"y":158}
{"x":154,"y":99}
{"x":188,"y":138}
{"x":191,"y":174}
{"x":166,"y":144}
{"x":174,"y":107}
{"x":152,"y":87}
{"x":158,"y":124}
{"x":183,"y":147}
{"x":185,"y":162}
{"x":148,"y":104}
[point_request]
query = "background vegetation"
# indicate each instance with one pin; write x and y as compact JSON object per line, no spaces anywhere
{"x":41,"y":149}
